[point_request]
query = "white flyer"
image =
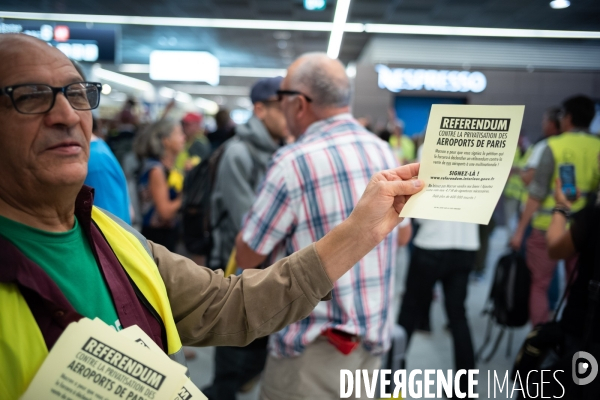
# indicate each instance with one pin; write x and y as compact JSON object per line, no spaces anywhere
{"x":466,"y":160}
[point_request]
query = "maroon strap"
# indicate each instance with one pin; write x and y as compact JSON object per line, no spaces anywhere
{"x":50,"y":308}
{"x":130,"y":310}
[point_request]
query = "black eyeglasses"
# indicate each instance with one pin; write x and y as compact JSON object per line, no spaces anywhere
{"x":281,"y":93}
{"x":35,"y":98}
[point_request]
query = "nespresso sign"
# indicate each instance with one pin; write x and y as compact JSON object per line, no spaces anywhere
{"x":398,"y":79}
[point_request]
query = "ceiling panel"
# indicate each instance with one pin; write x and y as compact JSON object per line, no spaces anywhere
{"x":266,"y":48}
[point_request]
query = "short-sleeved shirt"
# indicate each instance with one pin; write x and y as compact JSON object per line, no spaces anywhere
{"x":310,"y":187}
{"x":106,"y":176}
{"x":585,"y":233}
{"x":536,"y":154}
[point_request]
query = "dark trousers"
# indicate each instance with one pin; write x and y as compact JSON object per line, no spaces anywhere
{"x":234,"y":367}
{"x":452,"y":268}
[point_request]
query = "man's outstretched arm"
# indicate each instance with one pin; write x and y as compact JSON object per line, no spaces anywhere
{"x":212,"y":310}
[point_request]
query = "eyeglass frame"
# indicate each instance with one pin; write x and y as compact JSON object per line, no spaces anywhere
{"x":9,"y":90}
{"x":281,"y":93}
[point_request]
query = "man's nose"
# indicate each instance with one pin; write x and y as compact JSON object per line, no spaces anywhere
{"x":62,"y":113}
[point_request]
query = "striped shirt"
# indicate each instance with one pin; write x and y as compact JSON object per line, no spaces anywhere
{"x":310,"y":187}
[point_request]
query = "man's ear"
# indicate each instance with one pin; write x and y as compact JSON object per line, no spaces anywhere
{"x":260,"y":110}
{"x":302,"y":106}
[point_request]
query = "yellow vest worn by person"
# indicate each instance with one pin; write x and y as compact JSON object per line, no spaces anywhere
{"x":515,"y":187}
{"x":25,"y":356}
{"x":580,"y":149}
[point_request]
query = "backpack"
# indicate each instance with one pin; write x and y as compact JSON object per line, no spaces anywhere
{"x":197,"y":190}
{"x":508,"y":303}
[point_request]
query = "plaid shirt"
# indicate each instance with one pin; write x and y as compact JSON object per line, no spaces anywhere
{"x":310,"y":187}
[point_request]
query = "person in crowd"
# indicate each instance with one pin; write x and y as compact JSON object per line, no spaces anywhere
{"x":224,"y":129}
{"x":62,"y":259}
{"x":402,"y":146}
{"x":159,"y":183}
{"x":574,"y":146}
{"x":126,"y":123}
{"x":312,"y":186}
{"x":444,"y":251}
{"x":197,"y":146}
{"x":515,"y":186}
{"x":582,"y":238}
{"x":550,"y":127}
{"x":106,"y":176}
{"x":242,"y":167}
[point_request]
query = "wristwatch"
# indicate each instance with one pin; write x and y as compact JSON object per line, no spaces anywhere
{"x":562,"y":210}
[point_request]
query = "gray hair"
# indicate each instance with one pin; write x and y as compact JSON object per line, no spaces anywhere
{"x":324,"y":79}
{"x":148,"y":142}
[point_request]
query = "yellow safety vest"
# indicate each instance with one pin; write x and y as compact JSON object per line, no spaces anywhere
{"x":582,"y":150}
{"x":515,"y":186}
{"x":22,"y":345}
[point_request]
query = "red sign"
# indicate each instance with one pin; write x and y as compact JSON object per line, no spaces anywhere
{"x":61,"y":33}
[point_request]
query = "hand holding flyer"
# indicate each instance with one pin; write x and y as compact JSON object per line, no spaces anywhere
{"x":467,"y":157}
{"x":92,"y":361}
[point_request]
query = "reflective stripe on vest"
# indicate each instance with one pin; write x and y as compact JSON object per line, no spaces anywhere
{"x":577,"y":148}
{"x":22,"y":357}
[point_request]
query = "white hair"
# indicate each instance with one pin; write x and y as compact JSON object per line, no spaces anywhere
{"x":326,"y":83}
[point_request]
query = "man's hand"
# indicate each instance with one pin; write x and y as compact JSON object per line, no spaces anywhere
{"x":373,"y":218}
{"x":386,"y":194}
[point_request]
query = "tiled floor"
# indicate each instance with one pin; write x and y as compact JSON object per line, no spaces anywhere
{"x":432,"y":351}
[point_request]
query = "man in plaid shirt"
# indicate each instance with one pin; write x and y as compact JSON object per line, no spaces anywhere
{"x":310,"y":187}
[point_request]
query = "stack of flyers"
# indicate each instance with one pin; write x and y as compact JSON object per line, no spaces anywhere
{"x":91,"y":361}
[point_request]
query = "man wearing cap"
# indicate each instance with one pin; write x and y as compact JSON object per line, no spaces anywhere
{"x":197,"y":146}
{"x":62,"y":258}
{"x":241,"y":168}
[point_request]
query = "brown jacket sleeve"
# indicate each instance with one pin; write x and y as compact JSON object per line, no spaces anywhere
{"x":211,"y":310}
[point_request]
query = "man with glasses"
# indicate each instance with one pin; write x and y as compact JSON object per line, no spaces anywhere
{"x":62,"y":259}
{"x":574,"y":146}
{"x":241,"y":168}
{"x":311,"y":186}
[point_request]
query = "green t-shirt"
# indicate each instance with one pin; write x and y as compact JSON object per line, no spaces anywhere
{"x":68,"y":259}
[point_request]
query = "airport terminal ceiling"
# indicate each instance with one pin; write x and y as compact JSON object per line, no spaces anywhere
{"x":276,"y":49}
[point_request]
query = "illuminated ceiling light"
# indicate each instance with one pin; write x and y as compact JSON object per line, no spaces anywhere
{"x":167,"y":92}
{"x":135,"y":68}
{"x":253,"y":72}
{"x":302,"y":26}
{"x":315,"y":5}
{"x":558,"y":4}
{"x":337,"y":32}
{"x":351,"y":70}
{"x":106,"y":89}
{"x":209,"y":106}
{"x":186,"y":22}
{"x":213,"y":90}
{"x":223,"y":71}
{"x":183,"y":97}
{"x":192,"y":66}
{"x":484,"y":32}
{"x":121,"y":79}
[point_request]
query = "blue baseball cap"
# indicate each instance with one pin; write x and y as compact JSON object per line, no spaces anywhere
{"x":264,"y":89}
